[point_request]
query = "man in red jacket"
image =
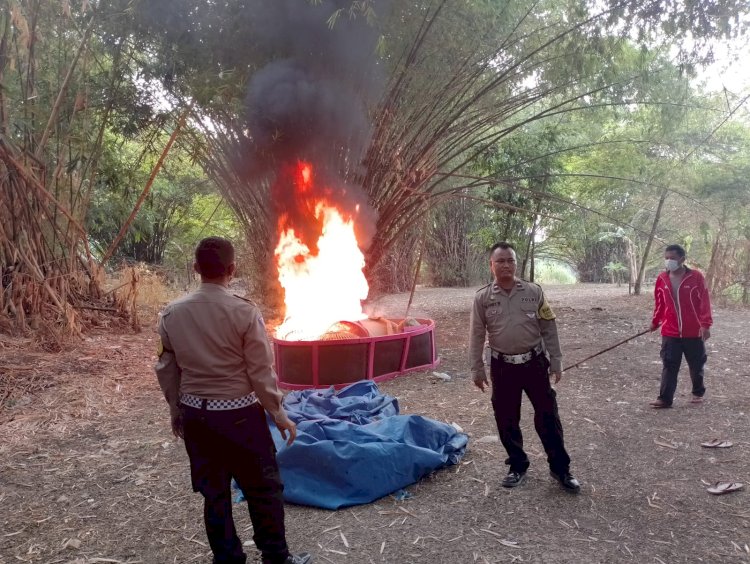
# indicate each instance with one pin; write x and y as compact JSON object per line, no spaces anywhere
{"x":682,"y":308}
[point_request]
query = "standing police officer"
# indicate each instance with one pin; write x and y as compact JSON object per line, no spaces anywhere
{"x":521,"y":328}
{"x":216,"y":371}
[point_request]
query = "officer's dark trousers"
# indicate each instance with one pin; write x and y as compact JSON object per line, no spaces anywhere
{"x":236,"y":444}
{"x":672,"y":349}
{"x":509,"y":381}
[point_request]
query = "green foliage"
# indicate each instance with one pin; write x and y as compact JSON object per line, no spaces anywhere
{"x":616,"y":271}
{"x":454,"y":255}
{"x":554,"y":272}
{"x":613,"y":267}
{"x":571,"y":113}
{"x":180,"y":209}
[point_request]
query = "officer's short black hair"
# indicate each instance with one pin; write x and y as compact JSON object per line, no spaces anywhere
{"x":213,"y":256}
{"x":502,"y":245}
{"x":677,"y":249}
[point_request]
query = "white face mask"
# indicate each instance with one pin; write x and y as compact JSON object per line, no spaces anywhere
{"x":671,"y":265}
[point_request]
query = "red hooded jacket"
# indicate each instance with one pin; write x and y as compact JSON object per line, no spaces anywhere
{"x":695,"y":305}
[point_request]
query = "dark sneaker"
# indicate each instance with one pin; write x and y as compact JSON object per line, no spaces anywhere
{"x":660,"y":404}
{"x":301,"y":558}
{"x":567,"y":481}
{"x":514,"y":479}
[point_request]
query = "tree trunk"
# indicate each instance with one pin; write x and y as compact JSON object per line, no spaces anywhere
{"x":746,"y":277}
{"x":712,"y":262}
{"x":649,"y":242}
{"x":4,"y":50}
{"x":526,"y":254}
{"x":531,"y":247}
{"x":418,"y":267}
{"x":506,"y":232}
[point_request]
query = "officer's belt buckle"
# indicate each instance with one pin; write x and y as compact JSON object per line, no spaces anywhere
{"x":517,"y":358}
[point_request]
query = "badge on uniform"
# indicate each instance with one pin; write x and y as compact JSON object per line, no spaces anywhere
{"x":545,"y":312}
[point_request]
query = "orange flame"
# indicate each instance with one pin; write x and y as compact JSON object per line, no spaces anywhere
{"x":320,"y":289}
{"x":305,"y":178}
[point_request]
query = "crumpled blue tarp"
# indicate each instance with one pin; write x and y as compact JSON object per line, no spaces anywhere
{"x":352,"y":447}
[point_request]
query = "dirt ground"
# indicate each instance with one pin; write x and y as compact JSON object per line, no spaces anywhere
{"x":89,"y":471}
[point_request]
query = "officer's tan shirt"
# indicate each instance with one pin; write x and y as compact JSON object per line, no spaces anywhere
{"x":513,"y":323}
{"x":215,"y":347}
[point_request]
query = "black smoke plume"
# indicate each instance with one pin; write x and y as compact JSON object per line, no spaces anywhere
{"x":311,"y":104}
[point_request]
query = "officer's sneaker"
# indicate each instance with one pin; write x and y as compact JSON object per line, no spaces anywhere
{"x":567,"y":481}
{"x":514,"y":479}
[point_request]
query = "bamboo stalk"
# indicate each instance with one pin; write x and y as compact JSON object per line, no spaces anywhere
{"x":418,"y":267}
{"x":147,"y":188}
{"x":29,"y":178}
{"x":63,"y":90}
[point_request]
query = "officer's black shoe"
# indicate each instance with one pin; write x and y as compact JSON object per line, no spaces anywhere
{"x":301,"y":558}
{"x":567,"y":481}
{"x":514,"y":479}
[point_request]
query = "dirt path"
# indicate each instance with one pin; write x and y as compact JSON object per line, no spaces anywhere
{"x":89,"y":473}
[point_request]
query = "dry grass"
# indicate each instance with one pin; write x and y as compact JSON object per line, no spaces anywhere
{"x":140,"y":290}
{"x":153,"y":289}
{"x":90,"y":473}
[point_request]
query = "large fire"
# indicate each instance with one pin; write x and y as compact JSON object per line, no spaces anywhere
{"x":326,"y":287}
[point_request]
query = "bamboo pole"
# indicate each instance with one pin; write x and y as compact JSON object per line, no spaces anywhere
{"x":607,"y":349}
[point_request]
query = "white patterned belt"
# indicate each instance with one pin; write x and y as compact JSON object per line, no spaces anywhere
{"x":217,"y":404}
{"x":517,"y":358}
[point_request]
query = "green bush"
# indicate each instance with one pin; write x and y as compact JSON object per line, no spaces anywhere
{"x":553,"y":272}
{"x":732,"y":294}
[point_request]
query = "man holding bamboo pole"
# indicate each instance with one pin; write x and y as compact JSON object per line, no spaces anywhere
{"x":682,"y":307}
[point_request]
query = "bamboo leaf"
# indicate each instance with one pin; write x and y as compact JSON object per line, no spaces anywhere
{"x":334,"y":18}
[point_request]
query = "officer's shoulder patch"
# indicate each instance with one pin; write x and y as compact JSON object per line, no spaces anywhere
{"x":536,"y":288}
{"x":484,"y":287}
{"x":244,"y":299}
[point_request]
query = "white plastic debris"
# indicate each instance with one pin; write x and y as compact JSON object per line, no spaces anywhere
{"x":442,"y":375}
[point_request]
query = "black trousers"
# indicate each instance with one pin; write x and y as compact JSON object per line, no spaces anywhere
{"x":672,"y":349}
{"x":236,"y":444}
{"x":509,"y":381}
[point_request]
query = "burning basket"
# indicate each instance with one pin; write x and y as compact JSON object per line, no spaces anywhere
{"x":353,"y":351}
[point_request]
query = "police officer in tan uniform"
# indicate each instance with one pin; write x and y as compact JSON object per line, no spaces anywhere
{"x":216,"y":371}
{"x":521,"y":329}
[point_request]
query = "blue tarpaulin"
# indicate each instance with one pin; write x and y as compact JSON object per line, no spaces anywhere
{"x":353,"y":447}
